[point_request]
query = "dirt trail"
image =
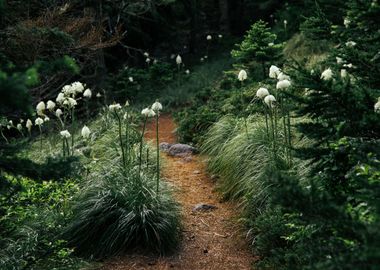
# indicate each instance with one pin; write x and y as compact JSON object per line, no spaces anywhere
{"x":211,"y":240}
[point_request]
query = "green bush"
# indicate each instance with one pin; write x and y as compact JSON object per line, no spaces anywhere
{"x":33,"y":216}
{"x":115,"y":213}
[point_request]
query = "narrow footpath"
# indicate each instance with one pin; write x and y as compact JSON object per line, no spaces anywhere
{"x":211,"y":239}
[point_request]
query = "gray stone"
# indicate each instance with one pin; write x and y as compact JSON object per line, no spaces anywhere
{"x":204,"y":207}
{"x":181,"y":150}
{"x":164,"y":146}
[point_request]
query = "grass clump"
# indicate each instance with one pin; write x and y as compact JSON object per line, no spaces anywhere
{"x":121,"y":208}
{"x":116,"y":214}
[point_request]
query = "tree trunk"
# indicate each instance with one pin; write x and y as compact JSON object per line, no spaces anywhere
{"x":224,"y":20}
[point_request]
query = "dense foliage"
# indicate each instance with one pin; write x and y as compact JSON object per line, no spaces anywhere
{"x":288,"y":117}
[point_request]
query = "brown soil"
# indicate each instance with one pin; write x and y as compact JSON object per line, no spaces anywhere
{"x":212,"y":239}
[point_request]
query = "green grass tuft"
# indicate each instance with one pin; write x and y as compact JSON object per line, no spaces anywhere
{"x":115,"y":214}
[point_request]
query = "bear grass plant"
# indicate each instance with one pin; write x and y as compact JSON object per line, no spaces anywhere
{"x":241,"y":154}
{"x":121,"y":208}
{"x":117,"y":213}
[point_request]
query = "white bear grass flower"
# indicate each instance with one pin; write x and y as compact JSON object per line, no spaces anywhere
{"x":327,"y":74}
{"x":60,"y":98}
{"x":283,"y":84}
{"x":40,"y":108}
{"x":38,"y":121}
{"x":262,"y":92}
{"x":270,"y":101}
{"x":273,"y":72}
{"x":209,"y":37}
{"x":85,"y":132}
{"x":29,"y":125}
{"x":65,"y":134}
{"x":281,"y":77}
{"x":343,"y":73}
{"x":377,"y":106}
{"x":157,"y":106}
{"x":147,"y":112}
{"x":58,"y":113}
{"x":87,"y":93}
{"x":50,"y":105}
{"x":114,"y":107}
{"x":242,"y":76}
{"x":178,"y":60}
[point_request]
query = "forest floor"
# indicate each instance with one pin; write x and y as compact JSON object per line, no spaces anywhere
{"x":211,"y":239}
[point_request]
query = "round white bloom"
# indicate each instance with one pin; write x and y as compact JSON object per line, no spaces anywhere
{"x":98,"y":95}
{"x":65,"y":134}
{"x":114,"y":107}
{"x":283,"y":84}
{"x":148,"y":112}
{"x":327,"y":74}
{"x":38,"y":121}
{"x":206,"y":56}
{"x":285,"y":22}
{"x":343,"y":73}
{"x":29,"y":124}
{"x":85,"y":132}
{"x":377,"y":106}
{"x":270,"y":44}
{"x":262,"y":92}
{"x":155,"y":61}
{"x":273,"y":72}
{"x":242,"y":76}
{"x":145,"y":112}
{"x":21,"y":120}
{"x":50,"y":105}
{"x":58,"y":113}
{"x":87,"y":93}
{"x":60,"y":98}
{"x":130,"y":79}
{"x":19,"y":126}
{"x":157,"y":106}
{"x":270,"y":100}
{"x":346,"y":22}
{"x":220,"y":36}
{"x":187,"y":71}
{"x":178,"y":60}
{"x":46,"y":119}
{"x":350,"y":43}
{"x":126,"y":103}
{"x":147,"y":60}
{"x":10,"y":122}
{"x":146,"y":54}
{"x":151,"y":113}
{"x":281,"y":76}
{"x":40,"y":108}
{"x":209,"y":37}
{"x":68,"y":90}
{"x":202,"y":59}
{"x":77,"y":87}
{"x":70,"y":102}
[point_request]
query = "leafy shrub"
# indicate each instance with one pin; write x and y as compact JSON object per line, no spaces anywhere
{"x":32,"y":220}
